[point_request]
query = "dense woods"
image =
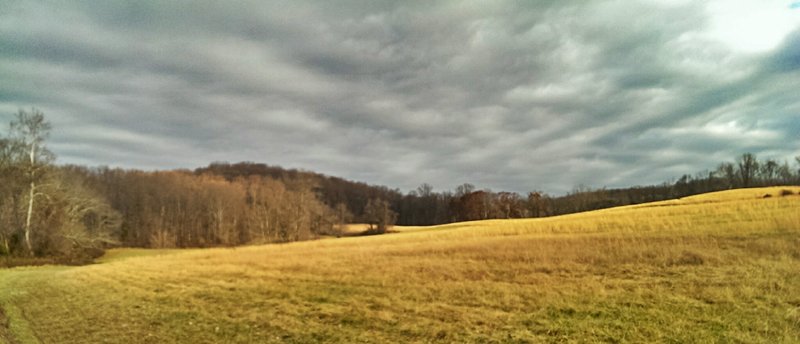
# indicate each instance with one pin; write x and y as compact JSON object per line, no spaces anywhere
{"x":182,"y":209}
{"x":74,"y":212}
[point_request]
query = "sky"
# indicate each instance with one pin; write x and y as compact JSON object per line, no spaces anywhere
{"x":506,"y":95}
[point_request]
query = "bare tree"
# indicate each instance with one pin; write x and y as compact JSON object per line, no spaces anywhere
{"x":727,"y":171}
{"x":785,"y":173}
{"x":425,"y":190}
{"x":464,"y":189}
{"x":748,"y":167}
{"x":769,"y":170}
{"x":379,"y":216}
{"x":31,"y":129}
{"x":88,"y":223}
{"x":537,"y":204}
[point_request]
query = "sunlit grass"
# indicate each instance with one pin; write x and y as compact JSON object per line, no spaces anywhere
{"x":721,"y":267}
{"x":120,"y":254}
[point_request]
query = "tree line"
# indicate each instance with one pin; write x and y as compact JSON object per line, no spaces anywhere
{"x":424,"y":206}
{"x":74,"y":212}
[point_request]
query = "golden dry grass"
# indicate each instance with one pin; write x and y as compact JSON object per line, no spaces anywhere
{"x":720,"y":267}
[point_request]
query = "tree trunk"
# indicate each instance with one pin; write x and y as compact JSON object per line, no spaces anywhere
{"x":30,"y":200}
{"x":28,"y":220}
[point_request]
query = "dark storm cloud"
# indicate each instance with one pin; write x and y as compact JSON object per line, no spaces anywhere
{"x":505,"y":95}
{"x":787,"y":58}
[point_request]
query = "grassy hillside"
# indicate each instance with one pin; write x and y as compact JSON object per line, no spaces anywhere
{"x":719,"y":267}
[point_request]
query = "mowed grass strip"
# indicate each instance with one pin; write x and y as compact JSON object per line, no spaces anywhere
{"x":720,"y":267}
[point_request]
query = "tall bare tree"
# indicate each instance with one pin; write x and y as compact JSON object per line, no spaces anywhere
{"x":30,"y":129}
{"x":748,"y":167}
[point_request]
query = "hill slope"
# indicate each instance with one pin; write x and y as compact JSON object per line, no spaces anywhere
{"x":714,"y":267}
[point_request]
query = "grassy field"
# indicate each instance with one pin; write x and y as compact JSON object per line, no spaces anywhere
{"x":721,"y":267}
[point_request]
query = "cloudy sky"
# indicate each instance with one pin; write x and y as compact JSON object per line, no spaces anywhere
{"x":515,"y":95}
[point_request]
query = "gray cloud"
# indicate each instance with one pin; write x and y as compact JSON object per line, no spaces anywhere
{"x":505,"y":95}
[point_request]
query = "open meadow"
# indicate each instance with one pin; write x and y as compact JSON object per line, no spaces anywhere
{"x":720,"y":267}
